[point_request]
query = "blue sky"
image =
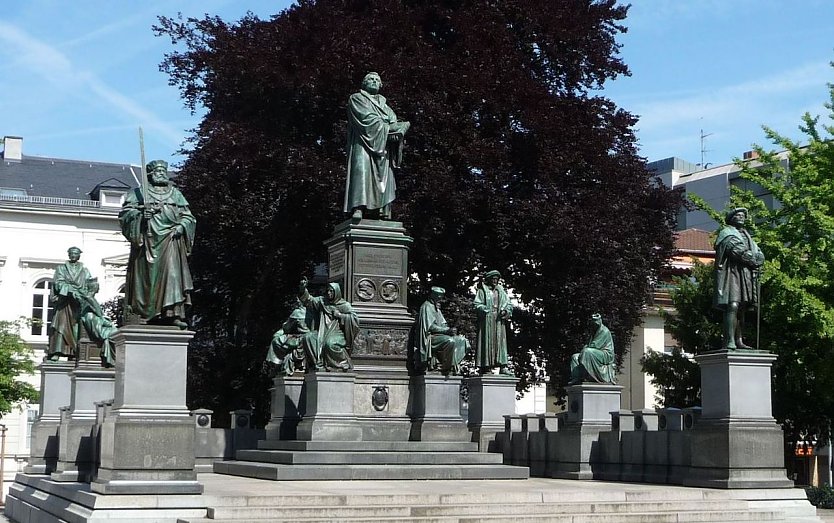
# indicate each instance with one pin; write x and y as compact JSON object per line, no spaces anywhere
{"x":79,"y":78}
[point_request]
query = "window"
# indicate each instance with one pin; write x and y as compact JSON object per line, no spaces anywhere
{"x":42,"y":309}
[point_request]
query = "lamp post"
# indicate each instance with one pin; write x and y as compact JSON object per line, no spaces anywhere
{"x":2,"y":461}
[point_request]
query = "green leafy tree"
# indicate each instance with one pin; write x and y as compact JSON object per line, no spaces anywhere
{"x":797,"y":238}
{"x":696,"y":327}
{"x":515,"y":160}
{"x":15,"y":361}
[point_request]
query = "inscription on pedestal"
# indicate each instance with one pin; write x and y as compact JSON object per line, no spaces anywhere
{"x":337,"y":262}
{"x":378,"y":261}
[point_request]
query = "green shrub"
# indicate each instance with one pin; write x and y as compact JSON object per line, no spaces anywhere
{"x":821,"y":497}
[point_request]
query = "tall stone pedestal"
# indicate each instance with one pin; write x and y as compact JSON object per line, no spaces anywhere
{"x":572,"y":451}
{"x":369,"y":259}
{"x":147,"y":438}
{"x":328,"y":411}
{"x":435,"y":410}
{"x":89,"y":383}
{"x":490,"y":397}
{"x":55,"y":393}
{"x":737,"y":443}
{"x":287,"y":407}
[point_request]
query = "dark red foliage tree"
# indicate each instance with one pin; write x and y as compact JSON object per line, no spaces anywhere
{"x":514,"y":161}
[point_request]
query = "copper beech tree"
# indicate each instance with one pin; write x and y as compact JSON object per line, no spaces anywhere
{"x":515,"y":160}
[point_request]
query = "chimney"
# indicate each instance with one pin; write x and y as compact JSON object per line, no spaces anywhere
{"x":13,"y":148}
{"x":750,"y":155}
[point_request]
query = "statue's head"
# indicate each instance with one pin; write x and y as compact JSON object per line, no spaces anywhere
{"x":372,"y":83}
{"x":334,"y":292}
{"x":596,"y":319}
{"x":492,"y":278}
{"x":158,"y":172}
{"x":74,"y":254}
{"x":437,"y":294}
{"x":736,"y":216}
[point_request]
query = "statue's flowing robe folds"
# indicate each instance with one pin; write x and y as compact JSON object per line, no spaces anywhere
{"x":69,"y":285}
{"x":433,"y":345}
{"x":597,"y":358}
{"x":329,"y":343}
{"x":491,"y":350}
{"x":158,"y":278}
{"x":370,"y":177}
{"x":736,"y":259}
{"x":285,"y":349}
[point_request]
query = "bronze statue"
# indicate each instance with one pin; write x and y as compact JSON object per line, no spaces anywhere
{"x":160,"y":228}
{"x":595,"y":362}
{"x":437,"y":347}
{"x":333,"y":326}
{"x":69,"y":288}
{"x":100,"y":329}
{"x":738,"y":262}
{"x":375,"y":146}
{"x":494,"y":310}
{"x":286,"y":349}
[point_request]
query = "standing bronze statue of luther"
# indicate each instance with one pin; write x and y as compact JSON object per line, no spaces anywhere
{"x":375,"y":148}
{"x":738,"y":262}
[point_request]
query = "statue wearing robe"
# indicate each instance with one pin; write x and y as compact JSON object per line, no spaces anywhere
{"x":333,"y":327}
{"x":494,"y":309}
{"x":69,"y":287}
{"x":595,"y":362}
{"x":160,"y":228}
{"x":436,"y":345}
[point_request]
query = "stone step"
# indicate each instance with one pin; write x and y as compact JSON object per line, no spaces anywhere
{"x":637,"y":517}
{"x":372,"y":446}
{"x":275,"y":471}
{"x":368,"y":457}
{"x":490,"y":510}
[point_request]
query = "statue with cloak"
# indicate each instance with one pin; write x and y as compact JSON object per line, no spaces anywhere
{"x":738,"y":262}
{"x":493,"y":309}
{"x":375,"y":146}
{"x":436,"y":346}
{"x":285,"y":349}
{"x":595,"y":362}
{"x":333,"y":327}
{"x":160,"y":228}
{"x":69,"y":288}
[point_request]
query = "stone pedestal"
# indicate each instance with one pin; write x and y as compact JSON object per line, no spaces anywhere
{"x":55,"y":393}
{"x":89,"y":383}
{"x":490,"y":397}
{"x":147,"y":438}
{"x":328,"y":403}
{"x":736,"y":443}
{"x":286,"y":406}
{"x":435,"y":409}
{"x":573,"y":451}
{"x":369,"y":259}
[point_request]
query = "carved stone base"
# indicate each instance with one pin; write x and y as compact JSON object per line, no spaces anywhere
{"x":435,"y":414}
{"x":329,"y":408}
{"x":287,"y":407}
{"x":55,"y":393}
{"x":490,"y":398}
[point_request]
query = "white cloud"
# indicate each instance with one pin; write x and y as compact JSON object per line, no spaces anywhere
{"x":51,"y":64}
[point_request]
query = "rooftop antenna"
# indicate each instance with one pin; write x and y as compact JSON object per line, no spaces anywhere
{"x":704,"y":150}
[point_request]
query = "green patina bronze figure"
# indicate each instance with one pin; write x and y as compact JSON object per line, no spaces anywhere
{"x":595,"y":362}
{"x":738,"y":262}
{"x":69,"y":288}
{"x":494,"y":309}
{"x":160,"y":228}
{"x":100,"y":329}
{"x":286,"y":349}
{"x":73,"y":295}
{"x":333,"y":326}
{"x":437,"y":347}
{"x":375,"y":147}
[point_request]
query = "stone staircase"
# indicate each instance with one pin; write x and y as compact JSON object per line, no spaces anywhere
{"x":368,"y":460}
{"x":492,"y":506}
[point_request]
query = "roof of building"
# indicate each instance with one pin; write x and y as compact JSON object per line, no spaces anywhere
{"x":72,"y":179}
{"x":693,"y":240}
